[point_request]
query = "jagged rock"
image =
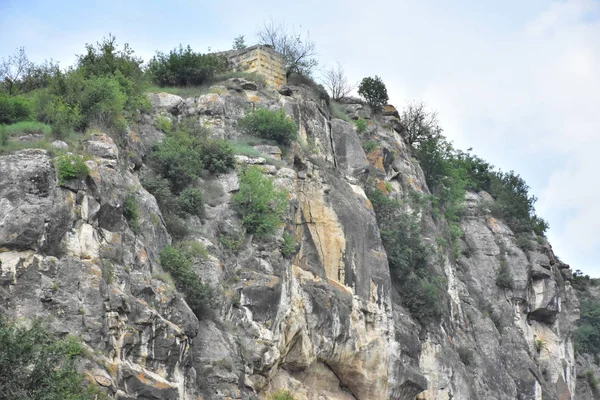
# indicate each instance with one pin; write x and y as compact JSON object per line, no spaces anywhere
{"x":102,"y":146}
{"x":165,"y":102}
{"x":240,"y":84}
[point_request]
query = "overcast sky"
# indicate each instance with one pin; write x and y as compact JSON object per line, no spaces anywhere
{"x":518,"y":81}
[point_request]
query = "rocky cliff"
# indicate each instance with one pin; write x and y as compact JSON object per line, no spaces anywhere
{"x":326,"y":323}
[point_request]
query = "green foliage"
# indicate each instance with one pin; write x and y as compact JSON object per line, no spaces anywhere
{"x":239,"y":43}
{"x":25,"y":128}
{"x":466,"y":355}
{"x":288,"y":246}
{"x":260,"y":204}
{"x":184,"y":67}
{"x":35,"y":365}
{"x":178,"y":261}
{"x":182,"y":156}
{"x":190,"y":201}
{"x":504,"y":278}
{"x":70,"y":166}
{"x":164,"y":124}
{"x":298,"y":79}
{"x":282,"y":395}
{"x":540,"y":344}
{"x":370,"y":146}
{"x":271,"y":125}
{"x":161,"y":190}
{"x":591,"y":379}
{"x":524,"y":242}
{"x":587,"y":335}
{"x":408,"y":256}
{"x":178,"y":159}
{"x":175,"y":226}
{"x":233,"y":242}
{"x":361,"y":126}
{"x":131,"y":212}
{"x":337,"y":111}
{"x":373,"y":90}
{"x":217,"y":155}
{"x":14,"y":108}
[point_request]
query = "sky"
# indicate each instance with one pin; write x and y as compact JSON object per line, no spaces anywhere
{"x":517,"y":81}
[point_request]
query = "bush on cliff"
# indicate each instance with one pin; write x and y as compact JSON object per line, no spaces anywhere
{"x":178,"y":261}
{"x":184,"y":67}
{"x":271,"y":125}
{"x":408,"y":256}
{"x":260,"y":204}
{"x":35,"y":365}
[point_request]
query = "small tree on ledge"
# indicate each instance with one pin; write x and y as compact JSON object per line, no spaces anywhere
{"x":374,"y":91}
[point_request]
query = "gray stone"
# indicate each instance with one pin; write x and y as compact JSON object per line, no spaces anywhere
{"x":59,"y":144}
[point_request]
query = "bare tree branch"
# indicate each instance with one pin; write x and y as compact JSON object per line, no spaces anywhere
{"x":13,"y":69}
{"x":336,"y":82}
{"x":298,"y":52}
{"x":420,"y":123}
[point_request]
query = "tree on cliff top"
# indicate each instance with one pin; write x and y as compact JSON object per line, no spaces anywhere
{"x":374,"y":91}
{"x":337,"y":83}
{"x":298,"y":52}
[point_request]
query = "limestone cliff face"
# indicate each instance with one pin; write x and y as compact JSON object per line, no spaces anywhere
{"x":326,"y":324}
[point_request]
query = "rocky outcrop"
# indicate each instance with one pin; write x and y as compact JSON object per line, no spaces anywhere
{"x":326,"y":323}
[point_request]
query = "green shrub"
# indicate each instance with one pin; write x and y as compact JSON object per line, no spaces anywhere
{"x":591,"y":379}
{"x":178,"y":262}
{"x":178,"y":160}
{"x":271,"y":125}
{"x":504,"y":279}
{"x":175,"y":226}
{"x":260,"y":204}
{"x":217,"y":155}
{"x":408,"y":256}
{"x":370,"y":146}
{"x":190,"y":201}
{"x":282,"y":395}
{"x":70,"y":166}
{"x":373,"y":90}
{"x":131,"y":212}
{"x":14,"y":109}
{"x":184,"y":67}
{"x":35,"y":365}
{"x":540,"y":344}
{"x":161,"y":190}
{"x":54,"y":110}
{"x":524,"y":242}
{"x":233,"y":242}
{"x":361,"y":126}
{"x":288,"y":246}
{"x":164,"y":124}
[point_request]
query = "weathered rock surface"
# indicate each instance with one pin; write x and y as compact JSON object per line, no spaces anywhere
{"x":326,"y":323}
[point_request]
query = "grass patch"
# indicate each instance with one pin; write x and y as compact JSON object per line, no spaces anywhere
{"x":131,"y":212}
{"x":199,"y":90}
{"x":25,"y":128}
{"x":244,"y":148}
{"x":337,"y":111}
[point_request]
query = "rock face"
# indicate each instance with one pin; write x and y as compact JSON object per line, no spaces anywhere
{"x":323,"y":324}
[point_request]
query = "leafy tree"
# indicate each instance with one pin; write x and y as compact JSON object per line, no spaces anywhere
{"x":298,"y":52}
{"x":272,"y":125}
{"x":35,"y":365}
{"x":184,"y":67}
{"x":373,"y":90}
{"x":260,"y":204}
{"x":239,"y":43}
{"x":337,"y":83}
